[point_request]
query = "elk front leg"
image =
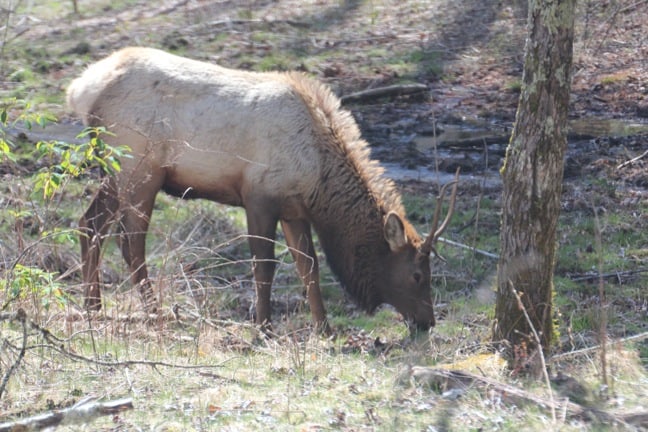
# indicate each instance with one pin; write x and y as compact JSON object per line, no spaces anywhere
{"x":300,"y":241}
{"x":94,"y":225}
{"x":262,"y":230}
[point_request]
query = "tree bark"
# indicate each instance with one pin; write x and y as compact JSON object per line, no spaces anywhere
{"x":532,"y":182}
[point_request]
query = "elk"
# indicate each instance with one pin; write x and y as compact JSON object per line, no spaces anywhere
{"x":276,"y":144}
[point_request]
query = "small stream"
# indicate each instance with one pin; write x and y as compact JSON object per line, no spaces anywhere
{"x":479,"y":148}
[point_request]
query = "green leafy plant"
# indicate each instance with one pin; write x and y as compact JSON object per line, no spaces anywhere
{"x":75,"y":159}
{"x":63,"y":160}
{"x":25,"y":280}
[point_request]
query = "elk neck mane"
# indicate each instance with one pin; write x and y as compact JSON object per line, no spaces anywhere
{"x":341,"y":137}
{"x":352,"y":197}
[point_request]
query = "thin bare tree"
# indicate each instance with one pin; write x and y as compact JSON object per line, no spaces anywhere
{"x":532,"y":179}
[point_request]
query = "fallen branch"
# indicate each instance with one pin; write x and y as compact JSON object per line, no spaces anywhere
{"x":470,"y":248}
{"x":204,"y":28}
{"x":452,"y":379}
{"x":83,"y":412}
{"x":389,"y":91}
{"x":576,"y":353}
{"x":617,"y":274}
{"x":474,"y":144}
{"x":229,"y":22}
{"x":633,"y":160}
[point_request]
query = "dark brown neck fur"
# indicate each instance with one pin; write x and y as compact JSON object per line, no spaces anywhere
{"x":352,"y":197}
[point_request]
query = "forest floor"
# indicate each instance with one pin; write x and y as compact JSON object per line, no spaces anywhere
{"x":469,"y":55}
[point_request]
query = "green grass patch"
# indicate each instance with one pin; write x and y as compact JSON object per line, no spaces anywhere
{"x":416,"y":63}
{"x":514,"y":86}
{"x":578,"y":252}
{"x":275,"y":61}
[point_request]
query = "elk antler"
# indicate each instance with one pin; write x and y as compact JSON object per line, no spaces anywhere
{"x":435,"y":232}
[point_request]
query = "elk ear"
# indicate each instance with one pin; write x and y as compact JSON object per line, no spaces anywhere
{"x":395,"y":232}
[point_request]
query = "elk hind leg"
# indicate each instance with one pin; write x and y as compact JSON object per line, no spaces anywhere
{"x":93,"y":226}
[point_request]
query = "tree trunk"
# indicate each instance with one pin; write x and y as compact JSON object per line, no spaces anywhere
{"x":532,"y":182}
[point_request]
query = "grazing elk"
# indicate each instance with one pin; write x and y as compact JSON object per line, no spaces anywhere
{"x":276,"y":144}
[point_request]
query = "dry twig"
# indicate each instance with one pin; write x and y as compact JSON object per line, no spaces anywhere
{"x":81,"y":413}
{"x":55,"y":343}
{"x":543,"y":364}
{"x":21,"y":317}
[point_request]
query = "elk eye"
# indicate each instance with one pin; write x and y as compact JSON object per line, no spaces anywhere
{"x":417,"y":277}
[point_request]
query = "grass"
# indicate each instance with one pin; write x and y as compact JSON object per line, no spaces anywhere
{"x":617,"y":78}
{"x":514,"y":86}
{"x":622,"y":238}
{"x":293,"y":382}
{"x":275,"y":62}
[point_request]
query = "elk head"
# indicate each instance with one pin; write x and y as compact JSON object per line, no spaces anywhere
{"x":406,"y":283}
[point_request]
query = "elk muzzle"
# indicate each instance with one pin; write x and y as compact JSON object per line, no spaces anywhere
{"x":423,"y":318}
